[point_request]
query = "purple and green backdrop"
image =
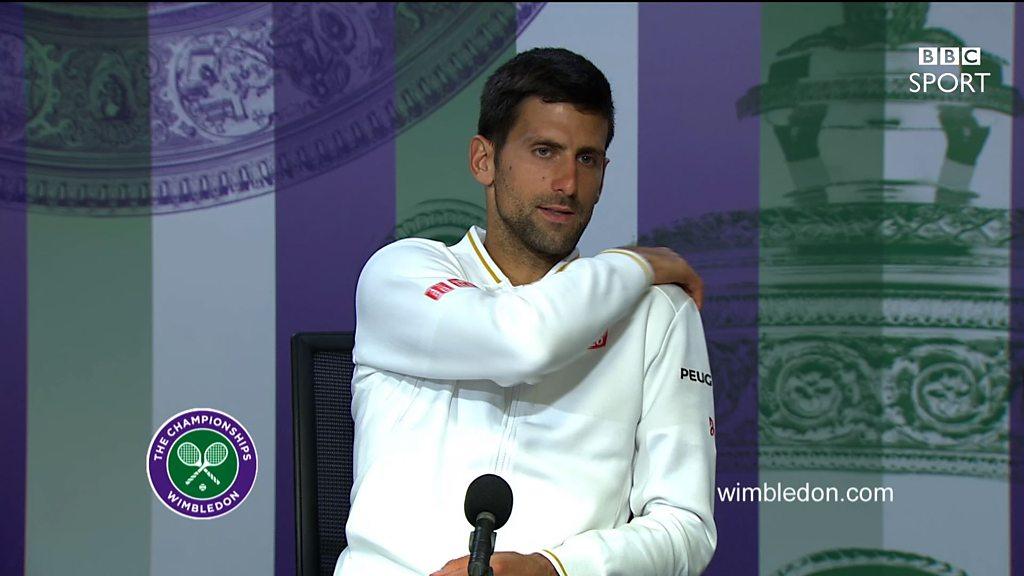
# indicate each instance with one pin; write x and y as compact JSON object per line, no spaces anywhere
{"x":184,"y":186}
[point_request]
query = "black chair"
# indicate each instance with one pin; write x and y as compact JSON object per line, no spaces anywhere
{"x":324,"y":432}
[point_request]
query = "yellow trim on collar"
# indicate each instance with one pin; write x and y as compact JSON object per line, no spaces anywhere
{"x":560,"y":566}
{"x":563,"y":266}
{"x":482,"y":260}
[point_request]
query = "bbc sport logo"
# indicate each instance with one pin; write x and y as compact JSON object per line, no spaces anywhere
{"x":949,"y":56}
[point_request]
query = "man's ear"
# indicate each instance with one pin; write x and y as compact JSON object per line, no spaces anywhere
{"x":481,"y":160}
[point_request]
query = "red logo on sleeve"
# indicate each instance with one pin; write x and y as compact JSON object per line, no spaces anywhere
{"x":441,"y":288}
{"x":437,"y":290}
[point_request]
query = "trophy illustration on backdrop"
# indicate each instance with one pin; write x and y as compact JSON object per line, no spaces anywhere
{"x":882,"y":245}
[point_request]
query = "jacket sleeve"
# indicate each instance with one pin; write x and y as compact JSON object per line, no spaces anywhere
{"x":673,"y":532}
{"x":416,"y":314}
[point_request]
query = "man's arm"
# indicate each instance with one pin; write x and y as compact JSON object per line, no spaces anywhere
{"x":459,"y":331}
{"x":672,"y":496}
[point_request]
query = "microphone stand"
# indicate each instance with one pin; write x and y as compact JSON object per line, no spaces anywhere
{"x":481,"y":546}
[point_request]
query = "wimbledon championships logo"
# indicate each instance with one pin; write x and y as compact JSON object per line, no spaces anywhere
{"x":201,"y":463}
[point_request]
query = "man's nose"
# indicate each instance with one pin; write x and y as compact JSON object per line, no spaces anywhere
{"x":565,"y":180}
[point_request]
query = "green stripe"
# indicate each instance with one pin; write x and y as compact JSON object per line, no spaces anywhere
{"x":436,"y":196}
{"x":805,"y":365}
{"x":90,"y":328}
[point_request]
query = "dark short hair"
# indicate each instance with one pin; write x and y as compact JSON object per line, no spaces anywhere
{"x":553,"y":75}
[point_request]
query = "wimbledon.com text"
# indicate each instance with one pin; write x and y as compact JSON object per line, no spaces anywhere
{"x":806,"y":493}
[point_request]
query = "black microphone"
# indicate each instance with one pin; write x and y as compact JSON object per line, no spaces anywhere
{"x":488,"y":506}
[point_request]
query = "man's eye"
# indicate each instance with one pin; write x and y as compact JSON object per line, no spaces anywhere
{"x":588,"y":159}
{"x":543,"y":152}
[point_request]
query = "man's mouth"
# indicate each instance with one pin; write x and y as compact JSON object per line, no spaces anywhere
{"x":557,"y":213}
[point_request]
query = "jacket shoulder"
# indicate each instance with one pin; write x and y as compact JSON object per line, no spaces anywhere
{"x":406,"y":252}
{"x":669,"y":308}
{"x":669,"y":300}
{"x":411,"y":247}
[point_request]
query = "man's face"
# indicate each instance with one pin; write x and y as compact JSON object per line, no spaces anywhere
{"x":549,"y":175}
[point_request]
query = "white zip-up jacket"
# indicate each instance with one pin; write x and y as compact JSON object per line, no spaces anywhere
{"x":588,"y":390}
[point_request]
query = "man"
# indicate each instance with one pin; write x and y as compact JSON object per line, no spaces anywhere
{"x":572,"y":378}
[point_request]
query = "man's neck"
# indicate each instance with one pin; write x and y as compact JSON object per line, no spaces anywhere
{"x":519,"y":264}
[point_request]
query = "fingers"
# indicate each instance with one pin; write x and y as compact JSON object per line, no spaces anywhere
{"x":697,"y":293}
{"x":503,"y":564}
{"x":694,"y":286}
{"x":456,"y":567}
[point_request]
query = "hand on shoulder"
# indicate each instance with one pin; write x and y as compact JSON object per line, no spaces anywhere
{"x":671,"y":268}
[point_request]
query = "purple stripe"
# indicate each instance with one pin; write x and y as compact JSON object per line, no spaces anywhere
{"x":699,"y":168}
{"x":1017,"y":314}
{"x":13,"y":300}
{"x":327,"y":226}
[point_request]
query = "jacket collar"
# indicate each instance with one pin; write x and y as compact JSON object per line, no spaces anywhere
{"x":472,"y":245}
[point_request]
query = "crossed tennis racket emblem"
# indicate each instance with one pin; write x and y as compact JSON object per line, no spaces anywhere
{"x":214,"y":455}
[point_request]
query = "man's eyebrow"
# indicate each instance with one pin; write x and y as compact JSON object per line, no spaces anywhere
{"x":539,"y":141}
{"x":590,"y":150}
{"x":556,"y":146}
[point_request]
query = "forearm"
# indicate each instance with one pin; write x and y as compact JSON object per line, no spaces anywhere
{"x":509,"y":336}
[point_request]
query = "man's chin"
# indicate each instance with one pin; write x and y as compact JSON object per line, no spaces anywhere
{"x":557,"y":247}
{"x":553,"y":241}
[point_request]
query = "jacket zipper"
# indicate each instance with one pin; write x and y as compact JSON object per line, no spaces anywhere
{"x":508,"y":424}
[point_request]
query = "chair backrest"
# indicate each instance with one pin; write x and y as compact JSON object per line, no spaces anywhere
{"x":322,"y":370}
